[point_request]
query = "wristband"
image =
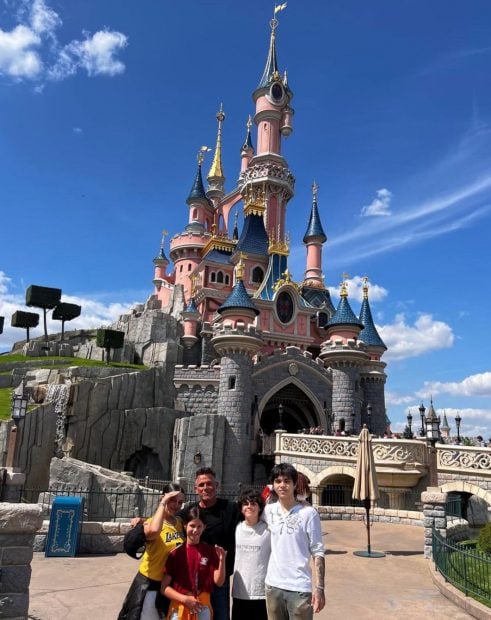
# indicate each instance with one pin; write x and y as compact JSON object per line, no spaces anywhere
{"x":319,"y":588}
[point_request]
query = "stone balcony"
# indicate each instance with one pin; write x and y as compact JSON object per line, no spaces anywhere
{"x":400,"y":462}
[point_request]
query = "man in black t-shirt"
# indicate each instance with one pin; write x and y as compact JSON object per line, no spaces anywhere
{"x":221,"y":517}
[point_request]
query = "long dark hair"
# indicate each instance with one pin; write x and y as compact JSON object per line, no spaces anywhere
{"x":172,"y":487}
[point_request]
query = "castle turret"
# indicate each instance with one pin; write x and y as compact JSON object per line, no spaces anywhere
{"x":247,"y":149}
{"x":236,"y":341}
{"x":314,"y":238}
{"x":216,"y":178}
{"x":190,"y":316}
{"x":161,"y":262}
{"x":372,"y":377}
{"x":346,"y":356}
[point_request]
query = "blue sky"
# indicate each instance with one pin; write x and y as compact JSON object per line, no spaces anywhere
{"x":104,"y":105}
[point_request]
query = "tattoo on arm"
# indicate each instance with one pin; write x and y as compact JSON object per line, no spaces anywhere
{"x":319,"y":568}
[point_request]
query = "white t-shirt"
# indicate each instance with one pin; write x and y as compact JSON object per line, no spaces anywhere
{"x":296,"y":536}
{"x":252,"y":550}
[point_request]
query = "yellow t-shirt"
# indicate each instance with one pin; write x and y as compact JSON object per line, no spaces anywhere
{"x":156,"y":552}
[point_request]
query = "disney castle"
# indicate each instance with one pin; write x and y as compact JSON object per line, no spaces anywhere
{"x":257,"y":351}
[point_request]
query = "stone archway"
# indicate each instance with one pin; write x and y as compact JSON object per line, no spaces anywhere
{"x":301,"y":408}
{"x":474,"y":500}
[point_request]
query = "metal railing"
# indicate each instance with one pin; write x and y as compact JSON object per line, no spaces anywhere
{"x":340,"y":495}
{"x":453,"y":506}
{"x":465,"y":568}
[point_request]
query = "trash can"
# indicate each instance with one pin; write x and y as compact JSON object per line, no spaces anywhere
{"x":64,"y":527}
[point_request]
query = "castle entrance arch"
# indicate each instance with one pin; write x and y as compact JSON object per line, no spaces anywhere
{"x":298,"y":411}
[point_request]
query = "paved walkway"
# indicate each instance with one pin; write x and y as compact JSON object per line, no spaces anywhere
{"x":396,"y":586}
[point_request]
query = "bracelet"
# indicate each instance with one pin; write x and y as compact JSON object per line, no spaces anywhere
{"x":319,"y":588}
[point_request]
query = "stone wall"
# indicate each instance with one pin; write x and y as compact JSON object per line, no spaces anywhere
{"x":96,"y":537}
{"x":197,"y":388}
{"x":18,"y":526}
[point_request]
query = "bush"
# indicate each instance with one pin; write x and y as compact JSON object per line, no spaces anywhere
{"x":484,"y":540}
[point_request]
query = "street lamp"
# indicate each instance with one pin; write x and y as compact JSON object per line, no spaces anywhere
{"x":369,"y":417}
{"x":410,"y":423}
{"x":280,"y":426}
{"x":422,"y":432}
{"x":18,"y":410}
{"x":432,"y":436}
{"x":353,"y":415}
{"x":458,"y":420}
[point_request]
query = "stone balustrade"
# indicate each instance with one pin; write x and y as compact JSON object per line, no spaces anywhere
{"x":467,"y":460}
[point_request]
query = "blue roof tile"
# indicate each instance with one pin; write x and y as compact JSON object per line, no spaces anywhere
{"x":218,"y":256}
{"x":198,"y":190}
{"x":161,"y":256}
{"x":344,"y":315}
{"x":238,"y":298}
{"x":369,"y":333}
{"x":253,"y":239}
{"x":318,"y":297}
{"x":314,"y":229}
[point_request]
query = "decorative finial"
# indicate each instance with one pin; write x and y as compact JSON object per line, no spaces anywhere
{"x":365,"y":287}
{"x":249,"y":123}
{"x":220,"y":115}
{"x":164,"y":235}
{"x":315,"y":189}
{"x":216,"y":166}
{"x":344,"y":285}
{"x":194,"y":283}
{"x":285,"y":78}
{"x":201,"y":154}
{"x":240,"y":267}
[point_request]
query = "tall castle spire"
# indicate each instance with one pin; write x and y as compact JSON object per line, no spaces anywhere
{"x":216,"y":178}
{"x":271,"y":67}
{"x":314,"y":238}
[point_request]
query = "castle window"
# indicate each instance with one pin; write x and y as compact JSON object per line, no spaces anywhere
{"x":220,"y":277}
{"x":257,"y":275}
{"x":189,"y":267}
{"x":180,"y":269}
{"x":227,"y":279}
{"x":213,"y":276}
{"x":195,"y":214}
{"x":231,"y":383}
{"x":322,"y":319}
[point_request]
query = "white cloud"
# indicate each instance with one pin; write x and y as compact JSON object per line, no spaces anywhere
{"x":379,"y":205}
{"x":404,"y":340}
{"x":18,"y":58}
{"x":474,"y":385}
{"x":391,"y":398}
{"x":31,"y":50}
{"x":355,"y":290}
{"x":94,"y":314}
{"x":96,"y":55}
{"x":78,"y":130}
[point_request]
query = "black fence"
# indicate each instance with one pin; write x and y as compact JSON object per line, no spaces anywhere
{"x":465,"y":568}
{"x":341,"y":495}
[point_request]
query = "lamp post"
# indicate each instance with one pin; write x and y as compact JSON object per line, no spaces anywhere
{"x":410,"y":423}
{"x":432,"y":436}
{"x":458,"y":420}
{"x":18,"y":411}
{"x":369,"y":417}
{"x":353,"y":415}
{"x":281,"y":409}
{"x":422,"y":431}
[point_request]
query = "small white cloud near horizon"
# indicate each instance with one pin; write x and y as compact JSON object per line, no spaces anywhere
{"x":355,"y":290}
{"x":77,"y":130}
{"x":380,"y":205}
{"x":473,"y":385}
{"x":32,"y":52}
{"x":404,"y":340}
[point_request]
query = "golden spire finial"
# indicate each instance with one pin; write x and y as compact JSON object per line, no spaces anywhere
{"x":365,"y":287}
{"x":344,"y":285}
{"x":216,"y":169}
{"x":240,"y":267}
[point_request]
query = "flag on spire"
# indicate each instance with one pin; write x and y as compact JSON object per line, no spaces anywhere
{"x":279,"y":7}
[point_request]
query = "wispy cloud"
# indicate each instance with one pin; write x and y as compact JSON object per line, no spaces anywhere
{"x":355,"y":290}
{"x":31,"y":51}
{"x":449,"y":61}
{"x":404,"y":340}
{"x":95,"y":313}
{"x":380,"y":205}
{"x":473,"y":385}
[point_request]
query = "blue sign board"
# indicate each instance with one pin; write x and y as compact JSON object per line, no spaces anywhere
{"x":64,"y":526}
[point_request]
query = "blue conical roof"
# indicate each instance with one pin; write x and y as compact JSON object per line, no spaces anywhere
{"x":271,"y":62}
{"x":198,"y":190}
{"x":314,"y":229}
{"x":254,"y":238}
{"x":344,"y":315}
{"x":369,"y":333}
{"x":238,"y":298}
{"x":161,"y":255}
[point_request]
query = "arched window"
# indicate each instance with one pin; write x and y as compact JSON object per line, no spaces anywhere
{"x":257,"y":275}
{"x":195,"y":214}
{"x":227,"y":279}
{"x":189,"y":267}
{"x":231,"y":383}
{"x":213,"y":276}
{"x":220,"y":277}
{"x":180,"y":268}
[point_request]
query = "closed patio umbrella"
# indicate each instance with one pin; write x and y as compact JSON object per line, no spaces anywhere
{"x":365,"y":488}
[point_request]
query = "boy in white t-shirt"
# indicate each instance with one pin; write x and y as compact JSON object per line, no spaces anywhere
{"x":296,"y":537}
{"x":252,"y":550}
